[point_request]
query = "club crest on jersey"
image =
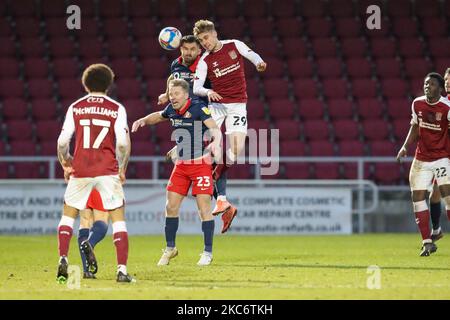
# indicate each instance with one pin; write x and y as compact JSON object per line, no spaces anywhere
{"x":232,"y":54}
{"x":187,"y":114}
{"x":438,"y":116}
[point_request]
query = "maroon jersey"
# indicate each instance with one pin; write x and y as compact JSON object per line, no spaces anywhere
{"x":433,"y":120}
{"x":98,"y":122}
{"x":225,"y":70}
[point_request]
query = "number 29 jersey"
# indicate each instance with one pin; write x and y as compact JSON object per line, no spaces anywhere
{"x":98,"y":122}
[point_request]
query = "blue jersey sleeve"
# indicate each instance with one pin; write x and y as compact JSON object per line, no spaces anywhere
{"x":167,"y":111}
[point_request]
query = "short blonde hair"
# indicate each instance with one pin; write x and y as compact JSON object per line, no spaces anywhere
{"x":203,"y":26}
{"x":180,"y":83}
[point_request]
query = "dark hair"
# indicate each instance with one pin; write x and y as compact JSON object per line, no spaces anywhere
{"x":97,"y":77}
{"x":189,"y":39}
{"x":180,"y":83}
{"x":438,"y":77}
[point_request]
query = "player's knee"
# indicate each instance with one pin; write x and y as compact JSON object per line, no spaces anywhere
{"x":205,"y":215}
{"x":171,"y":210}
{"x":435,"y":197}
{"x":420,"y":206}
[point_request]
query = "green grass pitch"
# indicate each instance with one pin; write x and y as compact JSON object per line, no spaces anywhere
{"x":244,"y":267}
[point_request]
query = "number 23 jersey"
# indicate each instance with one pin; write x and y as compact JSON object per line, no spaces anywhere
{"x":99,"y":123}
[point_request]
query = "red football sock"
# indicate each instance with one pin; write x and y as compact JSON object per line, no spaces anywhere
{"x":121,"y":243}
{"x":64,"y":236}
{"x":423,"y":221}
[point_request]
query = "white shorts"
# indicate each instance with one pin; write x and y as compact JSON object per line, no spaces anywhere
{"x":422,"y":174}
{"x":109,"y":187}
{"x":234,"y":115}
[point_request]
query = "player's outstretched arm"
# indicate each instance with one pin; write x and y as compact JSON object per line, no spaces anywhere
{"x":251,"y":55}
{"x":64,"y":157}
{"x":412,"y":136}
{"x":151,"y":119}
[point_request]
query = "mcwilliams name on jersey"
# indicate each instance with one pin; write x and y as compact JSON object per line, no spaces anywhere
{"x":95,"y":110}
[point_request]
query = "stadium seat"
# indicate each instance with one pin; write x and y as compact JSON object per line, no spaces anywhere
{"x":90,"y":48}
{"x":294,"y":47}
{"x":311,"y":109}
{"x":388,"y":68}
{"x":383,"y":48}
{"x":48,"y":130}
{"x":364,"y":88}
{"x":144,"y":29}
{"x":228,"y":9}
{"x":399,"y":108}
{"x":70,"y":88}
{"x":11,"y":88}
{"x":387,"y":173}
{"x":253,"y":8}
{"x":401,"y":128}
{"x":36,"y":68}
{"x":261,"y":28}
{"x":441,"y":64}
{"x":276,"y":88}
{"x":339,"y":108}
{"x":163,"y":131}
{"x":154,"y":89}
{"x":232,"y":28}
{"x":22,"y":148}
{"x":289,"y":27}
{"x":22,"y":8}
{"x":9,"y":67}
{"x":329,"y":171}
{"x":281,"y":109}
{"x":416,"y":86}
{"x":305,"y":88}
{"x":23,"y":170}
{"x":321,"y":148}
{"x":289,"y":130}
{"x":136,"y":108}
{"x":292,"y":148}
{"x":143,"y":148}
{"x":266,"y":47}
{"x":155,"y":68}
{"x":411,"y":47}
{"x":32,"y":47}
{"x":2,"y":150}
{"x":197,"y":9}
{"x":14,"y":109}
{"x":369,"y":108}
{"x":259,"y":124}
{"x":27,"y":28}
{"x":119,"y":48}
{"x":40,"y":88}
{"x":138,"y":9}
{"x":341,"y":8}
{"x":242,"y":172}
{"x":329,"y":67}
{"x":427,"y":9}
{"x":348,"y":27}
{"x":351,"y":148}
{"x":4,"y":170}
{"x":143,"y":134}
{"x":124,"y":68}
{"x":65,"y":68}
{"x":316,"y":130}
{"x":399,"y":8}
{"x":256,"y":109}
{"x":417,"y":67}
{"x":53,"y":27}
{"x":128,"y":88}
{"x":111,"y":8}
{"x":435,"y":28}
{"x":394,"y":88}
{"x":52,"y":9}
{"x":383,"y":148}
{"x":359,"y":68}
{"x":318,"y":27}
{"x":324,"y":47}
{"x":300,"y":68}
{"x":144,"y":170}
{"x":346,"y":129}
{"x":8,"y":47}
{"x":351,"y":171}
{"x":375,"y":129}
{"x":62,"y":47}
{"x":276,"y":69}
{"x":405,"y":27}
{"x":353,"y":47}
{"x":44,"y":109}
{"x":297,"y":170}
{"x":335,"y":88}
{"x":312,"y":9}
{"x":438,"y":47}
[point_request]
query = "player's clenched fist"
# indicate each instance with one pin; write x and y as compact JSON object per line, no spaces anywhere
{"x":261,"y":67}
{"x":138,"y":124}
{"x":163,"y":99}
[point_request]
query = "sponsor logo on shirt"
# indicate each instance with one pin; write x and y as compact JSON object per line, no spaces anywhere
{"x":221,"y":72}
{"x":206,"y":110}
{"x":232,"y":54}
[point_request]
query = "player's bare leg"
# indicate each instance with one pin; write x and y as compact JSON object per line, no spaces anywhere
{"x":120,"y":236}
{"x":173,"y":204}
{"x":237,"y":143}
{"x":423,"y":221}
{"x":204,"y":210}
{"x":435,"y":213}
{"x":65,"y":231}
{"x":86,"y":222}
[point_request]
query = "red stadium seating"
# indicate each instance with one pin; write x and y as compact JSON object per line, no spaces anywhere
{"x":136,"y":109}
{"x":435,"y":28}
{"x":340,"y":109}
{"x":40,"y":88}
{"x":318,"y":27}
{"x":276,"y":88}
{"x":289,"y":27}
{"x":335,"y":88}
{"x":23,"y":170}
{"x":417,"y":67}
{"x":322,"y":148}
{"x":289,"y":130}
{"x":14,"y":109}
{"x":66,"y":68}
{"x":405,"y":27}
{"x":294,"y":47}
{"x":228,"y":9}
{"x":383,"y":148}
{"x":44,"y":109}
{"x":7,"y":49}
{"x":276,"y":69}
{"x":19,"y":130}
{"x":282,"y":109}
{"x":316,"y":130}
{"x":439,"y":47}
{"x":9,"y":67}
{"x":297,"y":170}
{"x":388,"y":68}
{"x":375,"y":129}
{"x":394,"y":88}
{"x":119,"y":48}
{"x":27,"y":27}
{"x":324,"y":47}
{"x":253,"y":8}
{"x":311,"y":109}
{"x":312,"y":8}
{"x":90,"y":48}
{"x":364,"y":88}
{"x":32,"y":47}
{"x":399,"y":8}
{"x":70,"y":89}
{"x":266,"y":47}
{"x":128,"y":89}
{"x":348,"y":27}
{"x":255,"y":109}
{"x":370,"y":108}
{"x":300,"y":68}
{"x":341,"y":8}
{"x":411,"y":47}
{"x":328,"y":171}
{"x":305,"y":88}
{"x":427,"y":8}
{"x":401,"y":128}
{"x":383,"y":48}
{"x":61,"y":47}
{"x":387,"y":173}
{"x":36,"y":68}
{"x":359,"y":67}
{"x":329,"y":67}
{"x":143,"y":134}
{"x":346,"y":130}
{"x":399,"y":108}
{"x":291,"y":148}
{"x":353,"y":47}
{"x":143,"y":148}
{"x":53,"y":26}
{"x":52,"y":8}
{"x":48,"y":130}
{"x":232,"y":28}
{"x":351,"y":148}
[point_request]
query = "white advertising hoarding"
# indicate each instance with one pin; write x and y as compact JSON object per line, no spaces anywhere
{"x":36,"y":209}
